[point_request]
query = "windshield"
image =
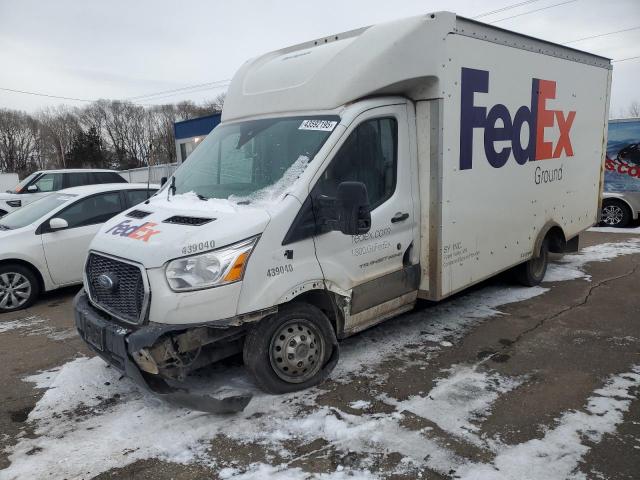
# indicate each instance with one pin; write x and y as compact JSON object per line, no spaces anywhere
{"x":33,"y":211}
{"x":25,"y":181}
{"x":252,"y":160}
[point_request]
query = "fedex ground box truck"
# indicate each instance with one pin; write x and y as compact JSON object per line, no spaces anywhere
{"x":350,"y":176}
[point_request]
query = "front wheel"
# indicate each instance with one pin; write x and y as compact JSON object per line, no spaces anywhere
{"x":615,"y":213}
{"x":532,"y":272}
{"x":291,"y":350}
{"x":19,"y":288}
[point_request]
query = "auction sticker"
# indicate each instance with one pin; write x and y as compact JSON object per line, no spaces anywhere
{"x":323,"y":125}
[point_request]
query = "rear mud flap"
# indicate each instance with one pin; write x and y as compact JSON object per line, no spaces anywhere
{"x":207,"y":403}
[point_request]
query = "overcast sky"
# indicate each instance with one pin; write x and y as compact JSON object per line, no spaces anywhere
{"x":121,"y":49}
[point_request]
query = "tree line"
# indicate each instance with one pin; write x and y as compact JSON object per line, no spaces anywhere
{"x":104,"y":134}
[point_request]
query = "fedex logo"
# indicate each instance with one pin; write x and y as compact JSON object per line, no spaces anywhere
{"x":136,"y":232}
{"x":537,"y":116}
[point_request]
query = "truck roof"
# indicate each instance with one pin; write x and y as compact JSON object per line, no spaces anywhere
{"x":405,"y":57}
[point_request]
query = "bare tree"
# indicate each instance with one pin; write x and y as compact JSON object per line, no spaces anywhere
{"x":634,"y":109}
{"x":18,"y":142}
{"x":59,"y":127}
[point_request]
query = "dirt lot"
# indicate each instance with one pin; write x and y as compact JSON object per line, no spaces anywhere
{"x":500,"y":382}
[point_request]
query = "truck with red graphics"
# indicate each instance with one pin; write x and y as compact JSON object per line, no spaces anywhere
{"x":351,"y":175}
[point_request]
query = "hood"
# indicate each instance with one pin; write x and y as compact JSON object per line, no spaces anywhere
{"x":10,"y":196}
{"x":151,"y":235}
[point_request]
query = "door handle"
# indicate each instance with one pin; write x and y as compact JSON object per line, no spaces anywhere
{"x":399,"y":217}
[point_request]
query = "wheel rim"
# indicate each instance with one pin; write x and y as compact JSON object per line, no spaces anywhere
{"x":296,"y":351}
{"x":612,"y":215}
{"x":15,"y":290}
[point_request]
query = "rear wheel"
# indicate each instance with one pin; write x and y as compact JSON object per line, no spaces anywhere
{"x":289,"y":350}
{"x":532,"y":272}
{"x":19,"y":288}
{"x":615,"y":213}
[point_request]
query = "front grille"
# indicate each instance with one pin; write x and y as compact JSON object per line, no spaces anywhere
{"x":137,"y":214}
{"x":125,"y":297}
{"x":193,"y":221}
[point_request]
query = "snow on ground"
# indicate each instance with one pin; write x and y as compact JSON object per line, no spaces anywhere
{"x":570,"y":267}
{"x":36,"y":325}
{"x":90,"y":419}
{"x":615,"y":230}
{"x":460,"y":400}
{"x":558,"y":453}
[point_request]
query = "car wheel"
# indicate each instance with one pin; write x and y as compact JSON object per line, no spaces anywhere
{"x":290,"y":350}
{"x":615,"y":214}
{"x":532,"y":272}
{"x":19,"y":288}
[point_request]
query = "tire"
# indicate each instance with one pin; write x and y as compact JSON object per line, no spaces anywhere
{"x":532,"y":272}
{"x":305,"y":335}
{"x":615,"y":213}
{"x":19,"y":288}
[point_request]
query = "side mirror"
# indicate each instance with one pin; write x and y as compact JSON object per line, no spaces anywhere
{"x":58,"y":224}
{"x":352,"y":204}
{"x":32,"y":188}
{"x":163,"y":180}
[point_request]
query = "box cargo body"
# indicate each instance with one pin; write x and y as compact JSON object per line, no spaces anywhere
{"x":350,"y":176}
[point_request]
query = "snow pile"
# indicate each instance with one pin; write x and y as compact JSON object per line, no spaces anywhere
{"x":558,"y":453}
{"x":265,"y":198}
{"x":570,"y":267}
{"x":460,"y":399}
{"x":274,"y":193}
{"x":36,"y":325}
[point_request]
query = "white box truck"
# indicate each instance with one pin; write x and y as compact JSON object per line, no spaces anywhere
{"x":350,"y":176}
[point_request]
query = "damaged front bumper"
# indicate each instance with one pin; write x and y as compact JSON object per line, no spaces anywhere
{"x":118,"y":345}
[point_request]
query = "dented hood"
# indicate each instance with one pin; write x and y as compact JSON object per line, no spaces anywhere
{"x":165,"y":229}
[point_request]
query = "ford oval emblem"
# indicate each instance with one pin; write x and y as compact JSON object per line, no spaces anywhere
{"x":106,"y":282}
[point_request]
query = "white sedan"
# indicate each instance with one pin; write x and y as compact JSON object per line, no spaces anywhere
{"x":43,"y":245}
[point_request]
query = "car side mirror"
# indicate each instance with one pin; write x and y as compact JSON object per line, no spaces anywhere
{"x":163,"y":180}
{"x":58,"y":224}
{"x":352,"y":204}
{"x":32,"y":188}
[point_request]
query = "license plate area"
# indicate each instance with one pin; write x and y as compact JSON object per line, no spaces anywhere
{"x":94,"y":334}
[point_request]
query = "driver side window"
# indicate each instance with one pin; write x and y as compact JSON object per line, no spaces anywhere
{"x":369,"y":155}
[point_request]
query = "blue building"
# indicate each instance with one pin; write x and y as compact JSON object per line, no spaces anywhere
{"x":189,"y":133}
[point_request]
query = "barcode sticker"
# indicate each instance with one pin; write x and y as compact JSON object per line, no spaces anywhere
{"x":323,"y":125}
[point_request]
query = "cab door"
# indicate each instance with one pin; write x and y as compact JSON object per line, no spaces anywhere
{"x":377,"y":267}
{"x":66,"y":250}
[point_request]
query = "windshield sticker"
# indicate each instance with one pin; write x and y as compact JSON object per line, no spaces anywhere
{"x":136,"y":232}
{"x":322,"y":125}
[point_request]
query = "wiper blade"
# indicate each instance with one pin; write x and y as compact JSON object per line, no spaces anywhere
{"x":4,"y":227}
{"x":202,"y":197}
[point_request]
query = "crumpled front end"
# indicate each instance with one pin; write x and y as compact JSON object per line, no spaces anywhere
{"x":158,"y":357}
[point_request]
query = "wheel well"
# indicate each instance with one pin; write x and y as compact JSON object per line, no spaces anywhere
{"x":556,"y":238}
{"x":25,"y":264}
{"x":619,"y":200}
{"x":326,"y":302}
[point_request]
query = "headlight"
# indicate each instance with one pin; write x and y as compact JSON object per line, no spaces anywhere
{"x":210,"y":269}
{"x":14,"y":203}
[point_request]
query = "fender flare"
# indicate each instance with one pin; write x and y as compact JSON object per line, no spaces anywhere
{"x":544,"y":231}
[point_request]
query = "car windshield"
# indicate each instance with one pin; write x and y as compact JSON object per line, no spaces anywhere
{"x":30,"y":213}
{"x":247,"y":160}
{"x":25,"y":181}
